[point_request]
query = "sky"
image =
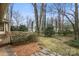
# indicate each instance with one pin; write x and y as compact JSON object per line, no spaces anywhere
{"x":26,"y":9}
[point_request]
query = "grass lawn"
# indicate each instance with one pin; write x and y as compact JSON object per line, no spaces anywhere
{"x":58,"y":45}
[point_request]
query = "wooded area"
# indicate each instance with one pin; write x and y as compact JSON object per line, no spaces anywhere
{"x":57,"y":23}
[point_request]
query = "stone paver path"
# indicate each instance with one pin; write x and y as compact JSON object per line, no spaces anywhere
{"x":7,"y":51}
{"x":45,"y":52}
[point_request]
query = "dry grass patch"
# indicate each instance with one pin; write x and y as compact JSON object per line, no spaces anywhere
{"x":55,"y":45}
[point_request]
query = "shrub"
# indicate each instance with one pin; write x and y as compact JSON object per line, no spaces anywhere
{"x":32,"y":38}
{"x":59,"y":32}
{"x":24,"y":38}
{"x":23,"y":28}
{"x":74,"y":43}
{"x":14,"y":28}
{"x":20,"y":28}
{"x":49,"y":31}
{"x":67,"y":32}
{"x":18,"y":38}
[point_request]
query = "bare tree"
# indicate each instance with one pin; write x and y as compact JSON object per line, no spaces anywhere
{"x":74,"y":25}
{"x":62,"y":16}
{"x":56,"y":24}
{"x":40,"y":20}
{"x":59,"y":10}
{"x":76,"y":22}
{"x":36,"y":17}
{"x":17,"y":18}
{"x":32,"y":24}
{"x":29,"y":23}
{"x":42,"y":17}
{"x":52,"y":21}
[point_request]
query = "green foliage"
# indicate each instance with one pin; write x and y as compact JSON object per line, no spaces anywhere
{"x":14,"y":28}
{"x":49,"y":31}
{"x":22,"y":28}
{"x":74,"y":43}
{"x":59,"y":32}
{"x":19,"y":28}
{"x":66,"y":32}
{"x":24,"y":38}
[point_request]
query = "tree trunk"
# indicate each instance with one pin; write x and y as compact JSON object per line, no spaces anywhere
{"x":76,"y":22}
{"x":56,"y":23}
{"x":40,"y":18}
{"x":44,"y":17}
{"x":59,"y":21}
{"x":62,"y":21}
{"x":36,"y":17}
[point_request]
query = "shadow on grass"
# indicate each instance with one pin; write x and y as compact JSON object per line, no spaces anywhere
{"x":73,"y":43}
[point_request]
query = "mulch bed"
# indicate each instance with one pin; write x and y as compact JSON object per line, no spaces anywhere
{"x":26,"y":49}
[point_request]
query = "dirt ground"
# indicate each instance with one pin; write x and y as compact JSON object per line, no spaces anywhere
{"x":26,"y":49}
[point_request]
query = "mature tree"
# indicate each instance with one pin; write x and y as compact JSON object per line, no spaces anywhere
{"x":52,"y":21}
{"x":17,"y":18}
{"x":36,"y":16}
{"x":56,"y":24}
{"x":76,"y":22}
{"x":32,"y":23}
{"x":58,"y":9}
{"x":27,"y":22}
{"x":62,"y":16}
{"x":42,"y":17}
{"x":40,"y":20}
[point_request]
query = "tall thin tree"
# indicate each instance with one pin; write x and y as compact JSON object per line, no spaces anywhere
{"x":76,"y":22}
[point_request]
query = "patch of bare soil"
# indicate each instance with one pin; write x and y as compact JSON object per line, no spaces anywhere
{"x":26,"y":49}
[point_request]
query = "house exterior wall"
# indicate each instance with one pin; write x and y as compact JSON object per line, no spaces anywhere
{"x":4,"y":37}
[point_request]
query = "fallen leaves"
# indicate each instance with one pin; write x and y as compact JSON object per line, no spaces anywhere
{"x":26,"y":49}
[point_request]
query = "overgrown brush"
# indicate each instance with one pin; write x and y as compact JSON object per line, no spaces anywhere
{"x":24,"y":38}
